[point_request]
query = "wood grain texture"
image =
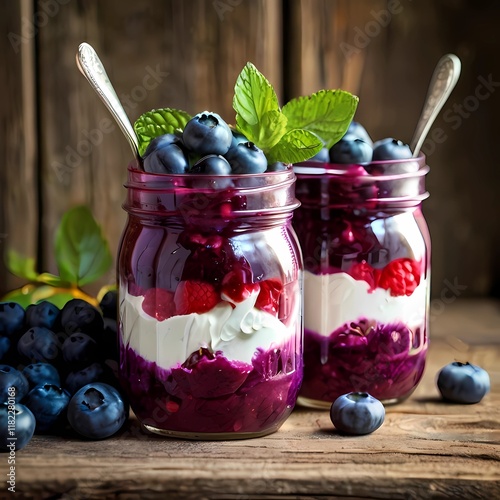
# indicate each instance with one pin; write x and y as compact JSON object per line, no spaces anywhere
{"x":425,"y":449}
{"x":18,"y":146}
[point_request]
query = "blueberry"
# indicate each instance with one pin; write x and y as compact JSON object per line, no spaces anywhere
{"x":247,"y":158}
{"x":4,"y":346}
{"x":40,"y":345}
{"x":160,"y":142}
{"x":108,"y":304}
{"x":16,"y":421}
{"x":97,"y":411}
{"x":108,"y":343}
{"x":79,"y":349}
{"x":463,"y":383}
{"x":170,"y":159}
{"x":213,"y":165}
{"x":10,"y":377}
{"x":42,"y":314}
{"x":357,"y":413}
{"x":391,"y":149}
{"x":11,"y":318}
{"x":207,"y":133}
{"x":357,"y":130}
{"x":350,"y":150}
{"x":80,"y":316}
{"x":41,"y":373}
{"x":48,"y":403}
{"x":77,"y":379}
{"x":237,"y":138}
{"x":322,"y":156}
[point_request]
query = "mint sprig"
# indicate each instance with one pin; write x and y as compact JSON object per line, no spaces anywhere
{"x":293,"y":134}
{"x":82,"y":256}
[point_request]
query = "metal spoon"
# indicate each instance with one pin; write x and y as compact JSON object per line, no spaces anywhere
{"x":90,"y":65}
{"x":443,"y":81}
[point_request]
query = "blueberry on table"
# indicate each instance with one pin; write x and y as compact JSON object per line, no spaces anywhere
{"x":79,"y":349}
{"x":391,"y":149}
{"x":357,"y":413}
{"x":10,"y":377}
{"x":16,"y":421}
{"x":357,"y":130}
{"x":97,"y":411}
{"x":207,"y":133}
{"x":40,"y":345}
{"x":48,"y":403}
{"x":350,"y":150}
{"x":12,"y":317}
{"x":246,"y":158}
{"x":80,"y":316}
{"x":43,"y":314}
{"x":5,"y":344}
{"x":109,"y":305}
{"x":213,"y":165}
{"x":41,"y":373}
{"x":463,"y":383}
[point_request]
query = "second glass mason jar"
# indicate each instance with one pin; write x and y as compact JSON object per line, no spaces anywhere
{"x":210,"y":283}
{"x":367,"y":278}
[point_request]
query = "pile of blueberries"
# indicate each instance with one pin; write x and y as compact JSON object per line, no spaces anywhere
{"x":59,"y":367}
{"x":357,"y":147}
{"x":206,"y":146}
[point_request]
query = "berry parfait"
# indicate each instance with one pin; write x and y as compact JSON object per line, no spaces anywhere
{"x":367,"y":262}
{"x":210,"y":269}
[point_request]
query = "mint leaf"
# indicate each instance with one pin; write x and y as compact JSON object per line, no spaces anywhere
{"x":158,"y":122}
{"x":81,"y":252}
{"x":326,"y":113}
{"x":258,"y":115}
{"x":52,"y":280}
{"x":295,"y":146}
{"x":22,"y":267}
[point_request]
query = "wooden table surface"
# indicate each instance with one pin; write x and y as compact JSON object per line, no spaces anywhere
{"x":425,"y":448}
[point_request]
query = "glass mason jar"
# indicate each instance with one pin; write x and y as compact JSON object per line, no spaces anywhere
{"x":366,"y":278}
{"x":210,"y":284}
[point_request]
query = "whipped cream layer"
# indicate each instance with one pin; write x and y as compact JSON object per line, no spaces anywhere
{"x":332,"y":300}
{"x":236,"y":331}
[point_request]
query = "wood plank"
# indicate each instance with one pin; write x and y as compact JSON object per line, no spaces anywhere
{"x":425,"y":449}
{"x":179,"y":54}
{"x":18,"y":154}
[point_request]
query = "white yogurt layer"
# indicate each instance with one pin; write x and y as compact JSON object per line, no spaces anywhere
{"x":332,"y":300}
{"x":238,"y":332}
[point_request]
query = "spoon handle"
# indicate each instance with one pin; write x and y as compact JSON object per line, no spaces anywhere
{"x":443,"y":81}
{"x":91,"y":67}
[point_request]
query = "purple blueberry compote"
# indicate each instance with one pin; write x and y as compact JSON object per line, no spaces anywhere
{"x":366,"y":277}
{"x":210,"y":311}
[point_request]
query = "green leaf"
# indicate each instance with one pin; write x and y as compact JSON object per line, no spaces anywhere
{"x":295,"y":146}
{"x":258,"y":115}
{"x":22,"y":267}
{"x":326,"y":113}
{"x":82,"y":254}
{"x":158,"y":122}
{"x":52,"y":280}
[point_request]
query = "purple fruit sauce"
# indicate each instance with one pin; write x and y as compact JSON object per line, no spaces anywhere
{"x":210,"y":394}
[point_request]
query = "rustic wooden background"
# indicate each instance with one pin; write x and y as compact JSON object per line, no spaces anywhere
{"x":382,"y":50}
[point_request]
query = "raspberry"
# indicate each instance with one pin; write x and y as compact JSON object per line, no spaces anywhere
{"x":159,"y":303}
{"x":269,"y":296}
{"x":235,"y":286}
{"x":362,"y":271}
{"x":401,"y":277}
{"x":195,"y":297}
